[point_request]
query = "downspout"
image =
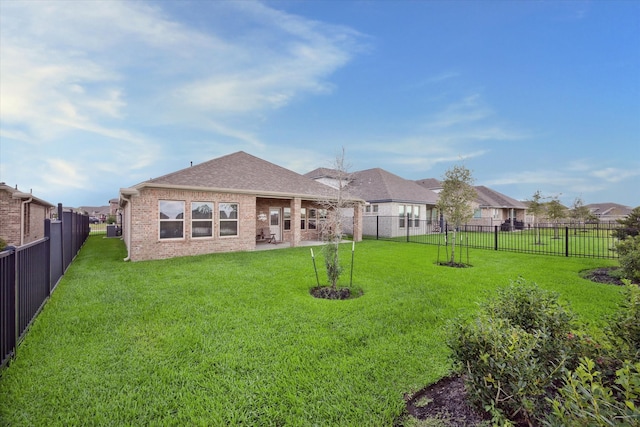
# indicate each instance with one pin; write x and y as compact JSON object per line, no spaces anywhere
{"x":127,"y":222}
{"x":22,"y":205}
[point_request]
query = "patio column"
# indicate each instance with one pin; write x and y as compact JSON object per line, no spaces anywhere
{"x":357,"y":222}
{"x":296,"y":206}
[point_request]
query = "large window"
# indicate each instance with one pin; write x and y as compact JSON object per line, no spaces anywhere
{"x":202,"y":219}
{"x":228,"y":219}
{"x":303,"y":218}
{"x":171,"y":219}
{"x":313,"y":218}
{"x":409,"y":214}
{"x":286,"y":214}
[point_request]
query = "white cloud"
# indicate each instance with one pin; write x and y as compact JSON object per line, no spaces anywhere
{"x":615,"y":174}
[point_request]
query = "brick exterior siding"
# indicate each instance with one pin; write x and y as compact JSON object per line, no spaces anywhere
{"x":10,"y":220}
{"x":141,"y":223}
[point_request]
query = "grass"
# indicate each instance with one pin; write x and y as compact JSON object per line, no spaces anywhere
{"x":236,"y":339}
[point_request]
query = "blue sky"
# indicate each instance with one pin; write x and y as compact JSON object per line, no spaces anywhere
{"x":95,"y":96}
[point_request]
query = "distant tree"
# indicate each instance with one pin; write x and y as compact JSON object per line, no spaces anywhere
{"x":455,"y":199}
{"x":555,"y":212}
{"x":537,"y":208}
{"x":580,"y":213}
{"x":630,"y":225}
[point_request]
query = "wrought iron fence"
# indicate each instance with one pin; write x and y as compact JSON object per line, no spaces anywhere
{"x":29,"y":273}
{"x":589,"y":240}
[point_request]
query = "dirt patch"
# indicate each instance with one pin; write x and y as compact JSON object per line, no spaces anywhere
{"x":328,"y":292}
{"x":446,"y":400}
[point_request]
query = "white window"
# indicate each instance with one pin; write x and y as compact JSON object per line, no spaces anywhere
{"x":171,"y":219}
{"x":401,"y":215}
{"x":228,"y":219}
{"x":313,"y":217}
{"x":286,"y":216}
{"x":375,"y":208}
{"x":416,"y":216}
{"x":202,"y":219}
{"x":303,"y":218}
{"x":477,"y":213}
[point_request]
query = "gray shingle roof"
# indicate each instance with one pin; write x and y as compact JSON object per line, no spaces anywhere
{"x":243,"y":172}
{"x":378,"y":185}
{"x":429,"y":183}
{"x":493,"y":199}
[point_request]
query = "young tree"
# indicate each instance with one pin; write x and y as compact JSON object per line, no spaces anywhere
{"x":537,"y":208}
{"x":332,"y":226}
{"x":455,"y":200}
{"x":556,"y":211}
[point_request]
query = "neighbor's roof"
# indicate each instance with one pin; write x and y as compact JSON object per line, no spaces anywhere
{"x":430,"y":183}
{"x":378,"y":185}
{"x":242,"y":172}
{"x":616,"y":209}
{"x":17,"y":194}
{"x":486,"y":197}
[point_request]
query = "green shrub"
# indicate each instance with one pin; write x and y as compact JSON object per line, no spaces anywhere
{"x":513,"y":351}
{"x":585,"y":400}
{"x":630,"y":226}
{"x":629,"y":253}
{"x":3,"y":244}
{"x":624,"y":328}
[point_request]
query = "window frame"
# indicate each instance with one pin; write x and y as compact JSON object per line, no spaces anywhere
{"x":202,"y":220}
{"x":171,"y":220}
{"x":226,"y":220}
{"x":286,"y":218}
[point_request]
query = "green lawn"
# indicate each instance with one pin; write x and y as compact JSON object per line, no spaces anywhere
{"x":236,"y":339}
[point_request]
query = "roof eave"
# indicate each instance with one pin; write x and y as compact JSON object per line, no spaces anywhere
{"x":266,"y":194}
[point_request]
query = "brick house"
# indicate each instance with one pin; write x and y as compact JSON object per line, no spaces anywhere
{"x":490,"y":206}
{"x":21,"y":216}
{"x":386,"y":195}
{"x":231,"y":203}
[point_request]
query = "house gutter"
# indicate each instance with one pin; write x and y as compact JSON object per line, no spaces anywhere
{"x":125,"y":195}
{"x":23,"y":203}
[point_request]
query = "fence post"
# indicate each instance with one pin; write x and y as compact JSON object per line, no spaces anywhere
{"x":47,"y":235}
{"x":566,"y":241}
{"x":495,"y":237}
{"x":377,"y":227}
{"x":406,"y":224}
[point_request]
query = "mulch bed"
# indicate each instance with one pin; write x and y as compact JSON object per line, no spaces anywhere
{"x":602,"y":275}
{"x":446,"y":400}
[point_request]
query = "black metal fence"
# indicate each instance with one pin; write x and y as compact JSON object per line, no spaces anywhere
{"x":29,"y":273}
{"x":595,"y":240}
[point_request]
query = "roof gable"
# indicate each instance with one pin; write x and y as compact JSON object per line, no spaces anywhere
{"x":242,"y":172}
{"x":487,"y":197}
{"x":17,"y":194}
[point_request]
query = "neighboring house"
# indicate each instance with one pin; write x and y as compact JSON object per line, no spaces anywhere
{"x":226,"y":204}
{"x":494,"y":208}
{"x":402,"y":203}
{"x":490,"y":207}
{"x":609,"y":211}
{"x":99,"y":212}
{"x":21,"y":216}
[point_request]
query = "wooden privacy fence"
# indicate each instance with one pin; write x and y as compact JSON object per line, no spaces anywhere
{"x":29,"y":273}
{"x":595,"y":240}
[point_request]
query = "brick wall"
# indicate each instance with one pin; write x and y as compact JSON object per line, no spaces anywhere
{"x":11,"y":216}
{"x":9,"y":219}
{"x":143,"y":236}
